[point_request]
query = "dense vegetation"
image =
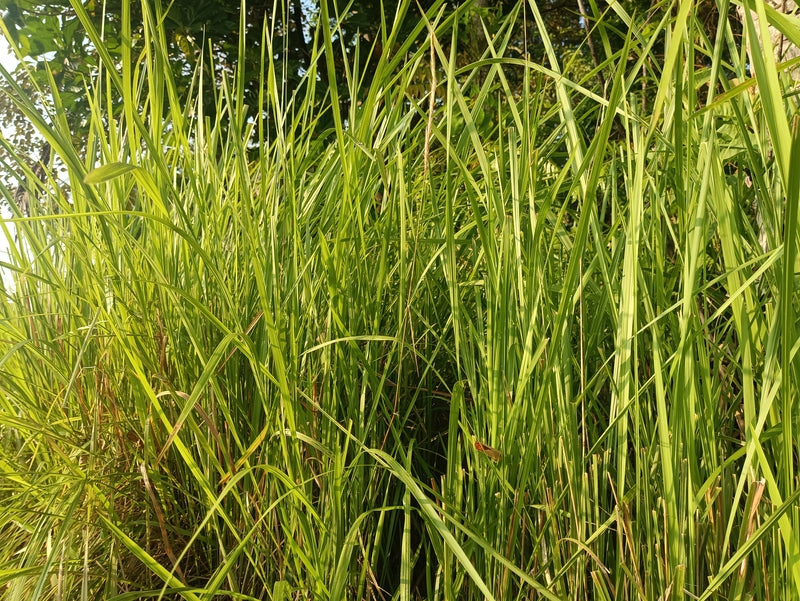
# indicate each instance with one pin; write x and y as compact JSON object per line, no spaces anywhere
{"x":503,"y":334}
{"x":50,"y":36}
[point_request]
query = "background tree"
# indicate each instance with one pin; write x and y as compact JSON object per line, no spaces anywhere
{"x":51,"y":38}
{"x":52,"y":41}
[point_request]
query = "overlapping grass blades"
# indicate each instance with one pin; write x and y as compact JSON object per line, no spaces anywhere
{"x":249,"y":356}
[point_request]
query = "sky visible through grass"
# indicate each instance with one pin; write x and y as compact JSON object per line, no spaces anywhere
{"x":8,"y":60}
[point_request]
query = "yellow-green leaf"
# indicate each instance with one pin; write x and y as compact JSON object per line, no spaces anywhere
{"x":108,"y":172}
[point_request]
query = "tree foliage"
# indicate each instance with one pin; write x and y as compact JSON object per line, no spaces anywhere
{"x":51,"y":40}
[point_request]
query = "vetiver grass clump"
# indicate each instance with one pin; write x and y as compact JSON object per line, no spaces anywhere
{"x":515,"y":336}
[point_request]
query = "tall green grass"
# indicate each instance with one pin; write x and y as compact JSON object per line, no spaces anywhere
{"x":250,"y":358}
